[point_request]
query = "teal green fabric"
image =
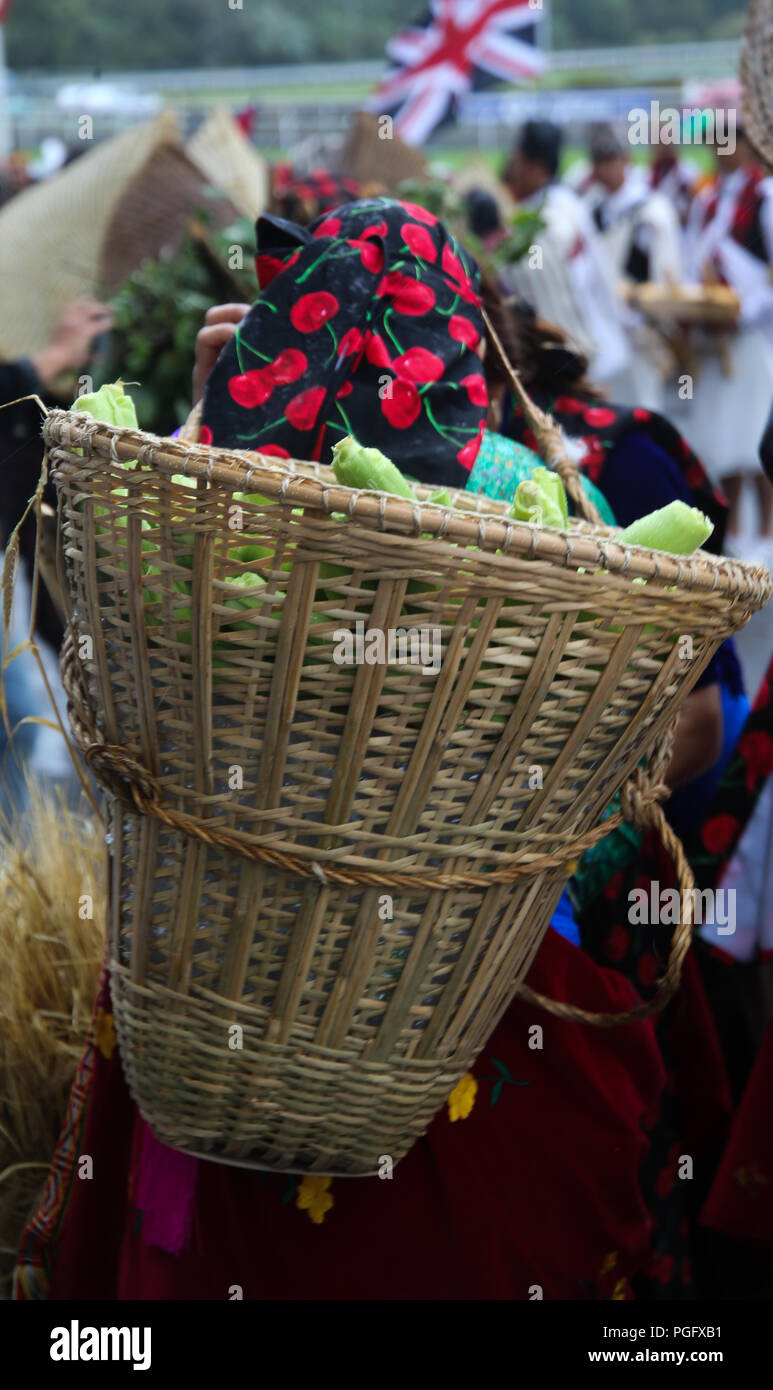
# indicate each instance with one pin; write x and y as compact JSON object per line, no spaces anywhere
{"x":502,"y":464}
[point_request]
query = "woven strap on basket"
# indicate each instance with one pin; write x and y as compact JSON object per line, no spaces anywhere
{"x":123,"y":776}
{"x":548,"y":435}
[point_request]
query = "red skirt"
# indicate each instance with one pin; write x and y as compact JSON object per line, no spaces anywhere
{"x":740,"y":1203}
{"x":525,"y":1186}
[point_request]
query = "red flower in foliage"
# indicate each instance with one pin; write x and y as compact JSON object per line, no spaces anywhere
{"x":756,"y":749}
{"x":408,"y":296}
{"x":302,"y":410}
{"x":250,"y":388}
{"x":352,"y":342}
{"x":419,"y":241}
{"x":567,"y":405}
{"x":420,"y":214}
{"x":266,"y":268}
{"x":376,"y":350}
{"x":599,"y":416}
{"x":469,"y":451}
{"x":345,"y":390}
{"x":371,"y":254}
{"x":719,"y":833}
{"x":313,"y":310}
{"x":418,"y":364}
{"x":476,"y":388}
{"x":287,"y":366}
{"x":402,"y":405}
{"x":205,"y":435}
{"x":330,"y":227}
{"x":274,"y":451}
{"x":462,"y":331}
{"x":639,"y":414}
{"x":458,"y":275}
{"x":695,"y":474}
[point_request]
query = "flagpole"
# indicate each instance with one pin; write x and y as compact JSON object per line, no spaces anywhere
{"x":545,"y":27}
{"x":6,"y":141}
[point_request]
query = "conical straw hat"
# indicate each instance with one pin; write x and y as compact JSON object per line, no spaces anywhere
{"x":367,"y":158}
{"x":231,"y":163}
{"x":757,"y":78}
{"x":84,"y":230}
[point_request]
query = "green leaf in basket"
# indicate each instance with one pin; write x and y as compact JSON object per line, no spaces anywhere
{"x":110,"y":404}
{"x":676,"y":528}
{"x":541,"y":499}
{"x":358,"y":467}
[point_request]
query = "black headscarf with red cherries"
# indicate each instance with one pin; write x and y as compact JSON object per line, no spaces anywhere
{"x":366,"y":324}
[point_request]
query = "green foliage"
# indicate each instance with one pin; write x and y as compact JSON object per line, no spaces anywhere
{"x":157,"y":313}
{"x":436,"y":196}
{"x":78,"y":34}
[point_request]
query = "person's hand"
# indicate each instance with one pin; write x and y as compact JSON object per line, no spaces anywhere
{"x":82,"y":321}
{"x":220,"y":324}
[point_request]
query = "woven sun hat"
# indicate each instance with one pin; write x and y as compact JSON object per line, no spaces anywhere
{"x":231,"y":163}
{"x":757,"y":78}
{"x":89,"y":226}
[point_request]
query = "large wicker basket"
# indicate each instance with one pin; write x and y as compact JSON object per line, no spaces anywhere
{"x":327,"y":880}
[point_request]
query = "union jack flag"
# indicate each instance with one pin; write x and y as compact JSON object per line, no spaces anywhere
{"x":461,"y":44}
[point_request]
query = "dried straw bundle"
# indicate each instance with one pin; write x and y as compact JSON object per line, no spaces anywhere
{"x":50,"y":956}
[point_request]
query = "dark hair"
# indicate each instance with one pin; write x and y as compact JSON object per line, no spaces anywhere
{"x":540,"y":142}
{"x":482,"y":213}
{"x":538,"y":350}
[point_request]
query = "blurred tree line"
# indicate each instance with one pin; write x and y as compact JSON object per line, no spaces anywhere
{"x":78,"y":34}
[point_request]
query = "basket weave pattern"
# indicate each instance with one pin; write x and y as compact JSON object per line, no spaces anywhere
{"x":346,"y":860}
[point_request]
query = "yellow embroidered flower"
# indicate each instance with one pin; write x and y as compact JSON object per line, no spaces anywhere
{"x":621,"y":1290}
{"x":462,"y":1098}
{"x":609,"y":1262}
{"x":313,"y":1197}
{"x":104,"y":1034}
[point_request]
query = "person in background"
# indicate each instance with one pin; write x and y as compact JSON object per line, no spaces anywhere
{"x":565,"y":277}
{"x":15,"y":176}
{"x":21,"y":457}
{"x":674,"y":178}
{"x":730,"y":242}
{"x":484,"y":218}
{"x":81,"y":323}
{"x":641,"y":240}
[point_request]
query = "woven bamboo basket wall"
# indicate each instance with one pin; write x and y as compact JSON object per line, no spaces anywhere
{"x":757,"y":78}
{"x":347,"y":861}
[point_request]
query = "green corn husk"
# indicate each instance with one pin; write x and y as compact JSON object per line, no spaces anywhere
{"x":676,"y":528}
{"x":541,"y":500}
{"x":369,"y":469}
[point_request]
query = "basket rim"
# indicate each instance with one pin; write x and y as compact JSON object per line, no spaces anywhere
{"x":289,"y":481}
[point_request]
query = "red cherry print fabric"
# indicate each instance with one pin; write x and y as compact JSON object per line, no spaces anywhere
{"x":367,"y":323}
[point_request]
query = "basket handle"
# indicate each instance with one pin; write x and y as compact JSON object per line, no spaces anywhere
{"x":549,"y":436}
{"x":651,"y":816}
{"x":189,"y":434}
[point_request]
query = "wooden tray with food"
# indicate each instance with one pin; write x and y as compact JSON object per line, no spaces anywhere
{"x":715,"y":306}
